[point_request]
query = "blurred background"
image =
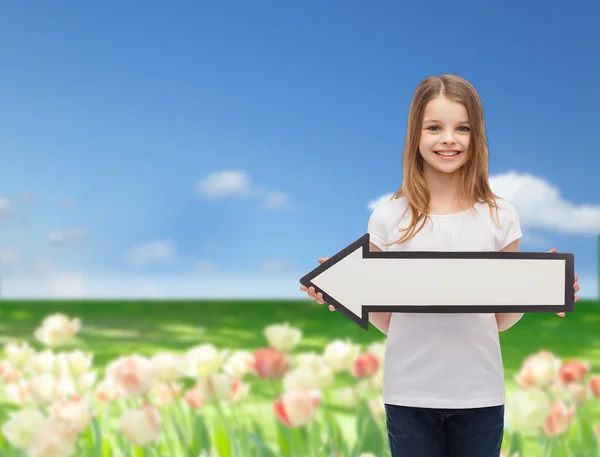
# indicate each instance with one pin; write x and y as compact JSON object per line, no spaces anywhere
{"x":170,"y":171}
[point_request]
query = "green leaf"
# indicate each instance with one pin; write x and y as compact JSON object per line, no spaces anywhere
{"x":284,"y":440}
{"x":106,"y":448}
{"x":222,"y":440}
{"x":261,"y":447}
{"x":335,"y":443}
{"x":96,"y":435}
{"x":558,"y":448}
{"x":179,"y":431}
{"x":369,"y":437}
{"x":588,"y":438}
{"x":316,"y":437}
{"x":200,"y":437}
{"x":138,"y":451}
{"x":300,"y":441}
{"x":516,"y":444}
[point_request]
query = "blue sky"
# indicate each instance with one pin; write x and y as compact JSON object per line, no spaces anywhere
{"x":221,"y":149}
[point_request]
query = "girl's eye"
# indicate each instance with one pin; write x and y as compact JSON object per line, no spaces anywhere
{"x":466,"y":129}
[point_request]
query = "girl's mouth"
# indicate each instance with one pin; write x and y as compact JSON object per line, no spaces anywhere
{"x":447,"y":154}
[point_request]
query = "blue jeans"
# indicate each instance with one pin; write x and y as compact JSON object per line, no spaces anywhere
{"x":424,"y":432}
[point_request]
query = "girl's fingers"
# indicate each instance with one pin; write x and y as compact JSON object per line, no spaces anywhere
{"x":331,"y":308}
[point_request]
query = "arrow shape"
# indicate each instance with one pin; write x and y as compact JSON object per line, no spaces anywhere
{"x":357,"y":281}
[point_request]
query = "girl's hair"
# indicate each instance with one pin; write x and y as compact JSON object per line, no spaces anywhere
{"x":473,"y":174}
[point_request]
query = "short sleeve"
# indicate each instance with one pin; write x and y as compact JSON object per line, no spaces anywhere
{"x":510,"y":224}
{"x":377,"y":228}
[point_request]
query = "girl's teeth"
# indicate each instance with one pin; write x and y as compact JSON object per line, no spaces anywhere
{"x":447,"y":153}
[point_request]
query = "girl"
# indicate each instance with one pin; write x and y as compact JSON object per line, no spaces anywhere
{"x":443,"y":377}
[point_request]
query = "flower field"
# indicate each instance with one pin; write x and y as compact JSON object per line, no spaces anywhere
{"x":285,"y":396}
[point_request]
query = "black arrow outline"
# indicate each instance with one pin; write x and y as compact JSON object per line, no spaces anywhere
{"x":363,"y":242}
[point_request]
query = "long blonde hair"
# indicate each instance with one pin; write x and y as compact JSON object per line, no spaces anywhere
{"x":473,"y":174}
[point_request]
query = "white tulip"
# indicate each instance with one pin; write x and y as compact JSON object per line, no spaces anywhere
{"x":203,"y":360}
{"x":239,"y":363}
{"x":22,"y":426}
{"x":283,"y":336}
{"x":527,"y":410}
{"x":57,"y":330}
{"x":78,"y":362}
{"x":43,"y":389}
{"x":18,"y":354}
{"x":54,"y":439}
{"x":75,"y":412}
{"x":340,"y":355}
{"x":142,"y":426}
{"x":167,"y":367}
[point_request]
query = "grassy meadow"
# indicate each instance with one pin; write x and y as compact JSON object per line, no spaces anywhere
{"x":111,"y":329}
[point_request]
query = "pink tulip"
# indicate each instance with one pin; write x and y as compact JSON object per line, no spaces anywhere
{"x":538,"y":370}
{"x":194,"y":397}
{"x":365,"y":365}
{"x":8,"y":373}
{"x":107,"y":391}
{"x":558,"y":419}
{"x":297,"y":407}
{"x":594,"y":384}
{"x":141,"y":426}
{"x":573,"y":371}
{"x":133,"y":374}
{"x":270,"y":363}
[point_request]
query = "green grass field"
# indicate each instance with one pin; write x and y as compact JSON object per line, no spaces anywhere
{"x":114,"y":328}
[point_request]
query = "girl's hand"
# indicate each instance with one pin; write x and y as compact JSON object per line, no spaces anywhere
{"x":576,"y":287}
{"x":312,"y":293}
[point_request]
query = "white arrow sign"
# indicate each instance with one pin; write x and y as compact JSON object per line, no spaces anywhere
{"x":357,"y":281}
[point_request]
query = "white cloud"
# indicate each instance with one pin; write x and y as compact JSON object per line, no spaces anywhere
{"x":8,"y":256}
{"x":225,"y":183}
{"x":65,"y":236}
{"x":539,"y":204}
{"x":5,"y":207}
{"x":378,"y":201}
{"x":63,"y":285}
{"x":276,"y":200}
{"x":236,"y":183}
{"x":533,"y":240}
{"x":151,"y":253}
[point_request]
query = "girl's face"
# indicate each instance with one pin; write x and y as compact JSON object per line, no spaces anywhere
{"x":445,"y":136}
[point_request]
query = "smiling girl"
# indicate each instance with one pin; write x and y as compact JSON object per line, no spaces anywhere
{"x":443,"y":387}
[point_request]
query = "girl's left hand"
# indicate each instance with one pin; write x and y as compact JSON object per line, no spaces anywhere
{"x":575,"y":286}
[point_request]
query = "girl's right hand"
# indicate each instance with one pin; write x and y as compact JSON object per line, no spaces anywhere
{"x":312,"y":293}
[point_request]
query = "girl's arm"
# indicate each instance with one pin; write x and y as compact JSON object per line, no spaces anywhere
{"x":381,"y":321}
{"x":507,"y":320}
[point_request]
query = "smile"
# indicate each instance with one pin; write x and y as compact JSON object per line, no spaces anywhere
{"x":447,"y":154}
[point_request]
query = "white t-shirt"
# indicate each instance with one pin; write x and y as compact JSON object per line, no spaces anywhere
{"x":444,"y":360}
